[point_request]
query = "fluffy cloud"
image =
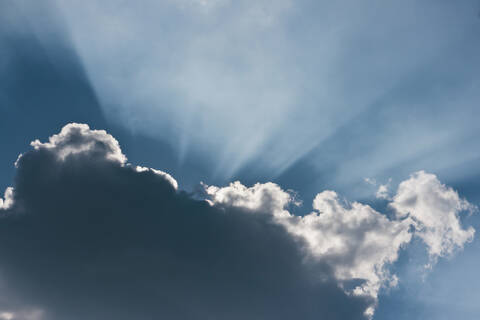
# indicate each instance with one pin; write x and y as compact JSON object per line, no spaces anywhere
{"x":262,"y":197}
{"x":8,"y":199}
{"x":357,"y":242}
{"x":382,"y":192}
{"x":84,"y":234}
{"x":76,"y":138}
{"x":433,"y":209}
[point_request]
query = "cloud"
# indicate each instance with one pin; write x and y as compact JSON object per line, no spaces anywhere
{"x":262,"y":197}
{"x":7,"y":200}
{"x":357,"y":242}
{"x":88,"y":236}
{"x":85,"y":234}
{"x":433,"y":209}
{"x":165,"y":175}
{"x":382,"y":192}
{"x":77,"y":138}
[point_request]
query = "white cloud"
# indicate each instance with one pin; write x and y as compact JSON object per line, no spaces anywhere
{"x":262,"y":197}
{"x":76,"y":138}
{"x":7,"y":200}
{"x":163,"y":174}
{"x":355,"y":240}
{"x":382,"y":192}
{"x":433,"y":208}
{"x":358,"y":242}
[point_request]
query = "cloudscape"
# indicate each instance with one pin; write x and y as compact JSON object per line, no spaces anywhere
{"x":223,"y":160}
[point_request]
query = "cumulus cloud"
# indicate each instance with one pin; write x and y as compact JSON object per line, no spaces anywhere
{"x":75,"y":138}
{"x":359,"y":241}
{"x":262,"y":197}
{"x":434,"y":209}
{"x":354,"y":240}
{"x":84,"y":234}
{"x":87,"y":236}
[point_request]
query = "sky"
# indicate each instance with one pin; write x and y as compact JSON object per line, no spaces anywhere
{"x":217,"y":159}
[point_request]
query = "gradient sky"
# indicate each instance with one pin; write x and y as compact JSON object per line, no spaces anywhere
{"x":310,"y":95}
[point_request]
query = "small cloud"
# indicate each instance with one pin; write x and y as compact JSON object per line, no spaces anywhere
{"x":7,"y":201}
{"x":434,"y":210}
{"x":383,"y":191}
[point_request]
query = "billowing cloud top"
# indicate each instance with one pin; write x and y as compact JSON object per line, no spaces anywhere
{"x":433,"y":209}
{"x":85,"y":235}
{"x":76,"y":138}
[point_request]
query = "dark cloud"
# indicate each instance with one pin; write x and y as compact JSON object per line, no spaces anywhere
{"x":90,"y":237}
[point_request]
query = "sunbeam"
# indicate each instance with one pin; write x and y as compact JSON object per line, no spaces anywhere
{"x":226,"y":80}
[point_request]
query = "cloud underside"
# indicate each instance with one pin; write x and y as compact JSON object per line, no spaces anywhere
{"x":86,"y":235}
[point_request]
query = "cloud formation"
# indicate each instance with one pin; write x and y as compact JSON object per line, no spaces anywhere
{"x":358,"y":243}
{"x":433,"y":209}
{"x":85,"y":234}
{"x":77,"y":138}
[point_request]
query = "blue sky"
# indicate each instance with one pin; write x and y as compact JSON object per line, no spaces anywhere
{"x":310,"y":95}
